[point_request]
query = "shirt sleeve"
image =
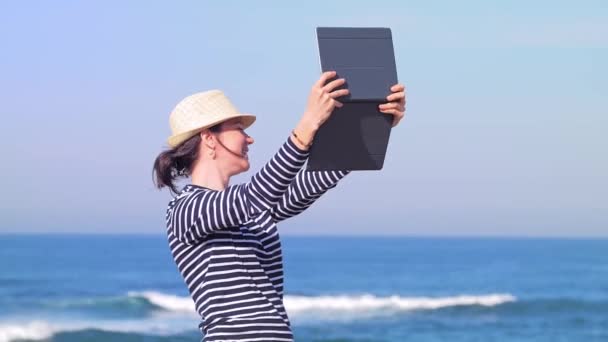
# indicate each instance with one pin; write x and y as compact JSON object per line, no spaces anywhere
{"x":197,"y":213}
{"x":307,"y":187}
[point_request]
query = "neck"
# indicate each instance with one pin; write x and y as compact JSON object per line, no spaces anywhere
{"x":210,"y":175}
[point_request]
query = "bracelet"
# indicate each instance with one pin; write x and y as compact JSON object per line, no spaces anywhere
{"x":298,"y":139}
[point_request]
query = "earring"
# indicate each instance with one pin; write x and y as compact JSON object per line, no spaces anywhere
{"x":212,"y":154}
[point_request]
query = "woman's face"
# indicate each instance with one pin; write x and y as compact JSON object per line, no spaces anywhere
{"x":232,"y":147}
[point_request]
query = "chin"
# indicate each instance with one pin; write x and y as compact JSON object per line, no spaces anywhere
{"x":242,"y":167}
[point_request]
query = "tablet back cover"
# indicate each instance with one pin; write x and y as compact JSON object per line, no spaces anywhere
{"x":356,"y":136}
{"x":363,"y":56}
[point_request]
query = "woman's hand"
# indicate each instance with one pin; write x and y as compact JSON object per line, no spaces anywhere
{"x":396,"y":104}
{"x":322,"y":99}
{"x":321,"y":103}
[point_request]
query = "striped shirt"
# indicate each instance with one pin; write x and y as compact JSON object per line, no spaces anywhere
{"x":227,"y":248}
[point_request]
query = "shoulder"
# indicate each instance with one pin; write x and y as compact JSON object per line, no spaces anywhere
{"x":188,"y":193}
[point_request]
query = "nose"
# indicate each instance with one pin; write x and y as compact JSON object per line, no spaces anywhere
{"x":249,"y":140}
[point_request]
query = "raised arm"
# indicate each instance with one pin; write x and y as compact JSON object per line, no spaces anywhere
{"x":199,"y":211}
{"x":307,"y":187}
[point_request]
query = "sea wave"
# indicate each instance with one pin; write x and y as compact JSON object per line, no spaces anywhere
{"x":175,"y":314}
{"x":44,"y":329}
{"x":142,"y":304}
{"x":362,"y":305}
{"x":165,"y":301}
{"x":154,"y":300}
{"x":369,"y":302}
{"x":35,"y":330}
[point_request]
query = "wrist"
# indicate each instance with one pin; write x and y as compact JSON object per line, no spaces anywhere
{"x":308,"y":124}
{"x":303,"y":134}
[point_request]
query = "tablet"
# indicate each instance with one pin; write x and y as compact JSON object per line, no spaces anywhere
{"x":356,"y":136}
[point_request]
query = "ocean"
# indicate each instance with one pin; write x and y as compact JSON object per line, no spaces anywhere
{"x":65,"y":288}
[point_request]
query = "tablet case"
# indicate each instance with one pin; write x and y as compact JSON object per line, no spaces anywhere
{"x":356,"y":136}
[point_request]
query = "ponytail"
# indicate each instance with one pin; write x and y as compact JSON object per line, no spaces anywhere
{"x":177,"y":162}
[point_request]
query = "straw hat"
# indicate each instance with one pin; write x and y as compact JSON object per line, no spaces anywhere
{"x":199,"y":111}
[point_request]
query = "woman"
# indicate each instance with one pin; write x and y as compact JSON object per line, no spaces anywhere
{"x":223,"y":237}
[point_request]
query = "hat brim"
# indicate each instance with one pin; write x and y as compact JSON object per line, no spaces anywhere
{"x":176,"y":140}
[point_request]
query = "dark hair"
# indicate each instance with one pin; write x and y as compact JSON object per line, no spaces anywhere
{"x":177,"y":162}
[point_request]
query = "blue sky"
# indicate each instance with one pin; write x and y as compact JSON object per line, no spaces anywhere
{"x":505,"y":132}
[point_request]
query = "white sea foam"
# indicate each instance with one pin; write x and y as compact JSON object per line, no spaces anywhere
{"x":39,"y":330}
{"x":35,"y":330}
{"x":394,"y":303}
{"x":353,"y":303}
{"x":166,"y":301}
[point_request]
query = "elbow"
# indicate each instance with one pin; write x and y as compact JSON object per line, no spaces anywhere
{"x":184,"y":236}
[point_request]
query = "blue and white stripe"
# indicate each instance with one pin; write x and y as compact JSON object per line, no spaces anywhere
{"x":227,"y":248}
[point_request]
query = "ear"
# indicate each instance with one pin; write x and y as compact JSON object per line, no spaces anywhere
{"x":207,"y":139}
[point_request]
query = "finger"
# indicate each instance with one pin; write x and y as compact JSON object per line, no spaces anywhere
{"x":390,"y":105}
{"x":338,"y":93}
{"x":400,"y":106}
{"x":398,"y":87}
{"x":333,"y":84}
{"x":391,"y":112}
{"x":324,"y":77}
{"x":396,"y":96}
{"x":338,"y":104}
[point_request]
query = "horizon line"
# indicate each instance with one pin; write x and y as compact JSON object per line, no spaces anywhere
{"x":313,"y":235}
